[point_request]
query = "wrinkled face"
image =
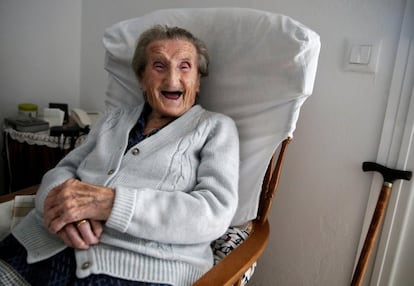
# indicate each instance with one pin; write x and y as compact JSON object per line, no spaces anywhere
{"x":171,"y":80}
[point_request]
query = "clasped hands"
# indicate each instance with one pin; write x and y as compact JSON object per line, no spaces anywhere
{"x":76,"y":210}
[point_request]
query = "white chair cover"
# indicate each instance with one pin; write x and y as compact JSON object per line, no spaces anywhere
{"x":262,"y":69}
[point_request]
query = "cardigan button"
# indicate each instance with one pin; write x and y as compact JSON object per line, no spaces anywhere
{"x":86,"y":265}
{"x":110,"y":172}
{"x":135,"y":151}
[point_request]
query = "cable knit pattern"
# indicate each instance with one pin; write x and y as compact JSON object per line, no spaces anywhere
{"x":172,"y":198}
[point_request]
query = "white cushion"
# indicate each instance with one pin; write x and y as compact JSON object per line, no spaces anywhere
{"x":6,"y":212}
{"x":262,"y":69}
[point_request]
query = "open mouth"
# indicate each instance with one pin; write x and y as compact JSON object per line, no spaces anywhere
{"x":172,"y":94}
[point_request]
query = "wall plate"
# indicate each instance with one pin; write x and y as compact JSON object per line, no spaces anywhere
{"x":362,"y":55}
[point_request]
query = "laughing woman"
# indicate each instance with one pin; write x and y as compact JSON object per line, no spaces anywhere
{"x":139,"y":202}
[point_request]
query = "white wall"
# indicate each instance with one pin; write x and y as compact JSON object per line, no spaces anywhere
{"x":39,"y":54}
{"x":317,"y":216}
{"x":40,"y":48}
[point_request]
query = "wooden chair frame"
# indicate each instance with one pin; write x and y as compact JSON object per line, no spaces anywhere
{"x":230,"y":270}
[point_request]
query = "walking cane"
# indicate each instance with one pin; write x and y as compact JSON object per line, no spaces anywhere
{"x":389,"y":176}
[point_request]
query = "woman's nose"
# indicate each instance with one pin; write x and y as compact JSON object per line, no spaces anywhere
{"x":173,"y":78}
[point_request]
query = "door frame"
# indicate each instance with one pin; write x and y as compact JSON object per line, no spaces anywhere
{"x":396,"y":145}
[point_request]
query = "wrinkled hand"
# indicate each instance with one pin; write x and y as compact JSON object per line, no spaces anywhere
{"x":73,"y":201}
{"x":81,"y":236}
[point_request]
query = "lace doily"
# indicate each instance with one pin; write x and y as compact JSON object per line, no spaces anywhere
{"x":42,"y":138}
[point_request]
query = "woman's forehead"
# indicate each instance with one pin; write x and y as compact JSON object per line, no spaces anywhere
{"x":172,"y":48}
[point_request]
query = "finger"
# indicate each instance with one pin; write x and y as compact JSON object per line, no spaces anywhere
{"x":85,"y":230}
{"x":50,"y":203}
{"x":52,"y":206}
{"x":48,"y":217}
{"x":75,"y":238}
{"x":55,"y":196}
{"x":97,"y":227}
{"x":62,"y":234}
{"x":53,"y":222}
{"x":51,"y":198}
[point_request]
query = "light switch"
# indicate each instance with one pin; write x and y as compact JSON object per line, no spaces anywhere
{"x":354,"y":55}
{"x":362,"y":56}
{"x":365,"y":54}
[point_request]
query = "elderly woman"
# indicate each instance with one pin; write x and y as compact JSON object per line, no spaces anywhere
{"x":139,"y":202}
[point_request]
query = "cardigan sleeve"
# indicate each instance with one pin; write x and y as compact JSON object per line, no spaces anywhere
{"x":198,"y":216}
{"x":67,"y":167}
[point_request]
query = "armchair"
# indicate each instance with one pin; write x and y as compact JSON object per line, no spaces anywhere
{"x":263,"y":67}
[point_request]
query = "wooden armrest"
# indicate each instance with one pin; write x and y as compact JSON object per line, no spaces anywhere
{"x":229,"y":271}
{"x":27,"y":191}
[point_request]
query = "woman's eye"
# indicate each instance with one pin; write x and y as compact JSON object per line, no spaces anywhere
{"x":185,"y":66}
{"x":158,"y":66}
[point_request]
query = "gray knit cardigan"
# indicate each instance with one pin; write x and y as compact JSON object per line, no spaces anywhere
{"x":175,"y":192}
